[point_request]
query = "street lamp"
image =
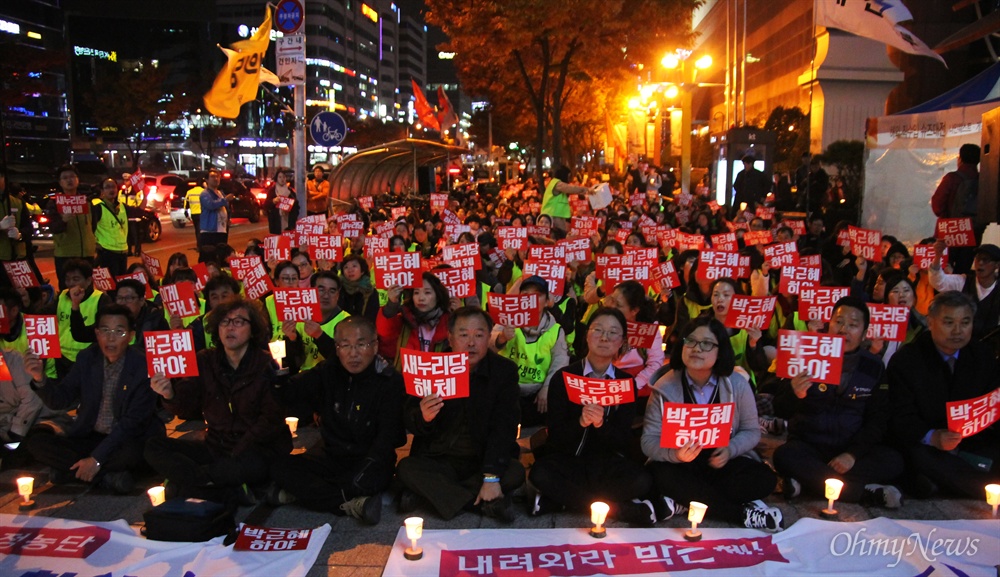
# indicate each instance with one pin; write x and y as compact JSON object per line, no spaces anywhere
{"x":682,"y":81}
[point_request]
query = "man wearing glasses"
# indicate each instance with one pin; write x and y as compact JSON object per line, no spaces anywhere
{"x":359,"y":398}
{"x":233,"y":393}
{"x":314,"y":340}
{"x":130,"y":294}
{"x":116,"y":413}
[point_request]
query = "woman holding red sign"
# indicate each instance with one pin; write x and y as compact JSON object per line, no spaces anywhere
{"x":689,"y":461}
{"x":629,"y":297}
{"x":281,"y":204}
{"x":420,"y":323}
{"x":752,"y":348}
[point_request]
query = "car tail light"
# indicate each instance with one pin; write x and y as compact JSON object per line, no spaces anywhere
{"x":42,"y":219}
{"x":261,"y":195}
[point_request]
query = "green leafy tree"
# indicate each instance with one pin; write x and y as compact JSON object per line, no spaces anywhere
{"x":791,"y":126}
{"x":847,"y":156}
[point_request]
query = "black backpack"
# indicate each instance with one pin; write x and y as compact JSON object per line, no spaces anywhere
{"x":966,"y":198}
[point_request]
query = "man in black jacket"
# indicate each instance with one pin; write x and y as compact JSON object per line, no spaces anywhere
{"x":464,"y":452}
{"x":359,"y":398}
{"x":940,"y":366}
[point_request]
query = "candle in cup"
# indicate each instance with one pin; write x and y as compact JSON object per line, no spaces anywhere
{"x":598,"y":515}
{"x":414,"y":531}
{"x":293,"y":424}
{"x":696,"y":514}
{"x":277,"y":350}
{"x":156,"y":495}
{"x":993,"y":496}
{"x":832,"y":493}
{"x":25,"y":485}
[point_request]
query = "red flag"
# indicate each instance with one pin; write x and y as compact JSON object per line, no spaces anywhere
{"x":425,"y":113}
{"x":446,"y":113}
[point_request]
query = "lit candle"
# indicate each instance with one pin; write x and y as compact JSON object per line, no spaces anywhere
{"x":293,"y":424}
{"x":156,"y":495}
{"x":696,"y":514}
{"x":277,"y":350}
{"x":25,"y":485}
{"x":743,"y":206}
{"x":414,"y":531}
{"x":993,"y":496}
{"x":598,"y":515}
{"x":833,"y":487}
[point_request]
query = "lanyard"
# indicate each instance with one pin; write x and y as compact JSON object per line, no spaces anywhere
{"x":689,"y":394}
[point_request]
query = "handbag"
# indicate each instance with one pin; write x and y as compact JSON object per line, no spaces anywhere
{"x":189,"y":520}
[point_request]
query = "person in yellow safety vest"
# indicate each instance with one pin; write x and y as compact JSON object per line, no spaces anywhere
{"x":555,"y":203}
{"x":131,"y":196}
{"x":696,"y":299}
{"x":539,"y":352}
{"x":110,"y":223}
{"x":192,"y":207}
{"x":752,"y":347}
{"x":72,"y":234}
{"x":313,"y":340}
{"x":16,"y":338}
{"x":78,"y":275}
{"x":286,"y":275}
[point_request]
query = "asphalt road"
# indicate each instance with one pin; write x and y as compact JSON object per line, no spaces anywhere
{"x":172,"y":240}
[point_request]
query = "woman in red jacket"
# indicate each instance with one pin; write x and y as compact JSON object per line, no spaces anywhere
{"x":419,"y":323}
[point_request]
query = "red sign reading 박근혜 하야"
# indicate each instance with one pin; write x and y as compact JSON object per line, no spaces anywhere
{"x":519,"y":311}
{"x":970,"y":416}
{"x":171,"y":353}
{"x":955,"y":231}
{"x":442,"y":374}
{"x":710,"y":425}
{"x":397,"y":269}
{"x":43,"y":335}
{"x":642,"y":335}
{"x":819,"y":355}
{"x":297,"y":304}
{"x":750,"y":312}
{"x":604,"y":392}
{"x":20,"y":274}
{"x":252,"y":538}
{"x":816,"y":302}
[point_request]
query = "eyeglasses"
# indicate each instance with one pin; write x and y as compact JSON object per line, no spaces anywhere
{"x":112,"y":333}
{"x":289,"y":278}
{"x":610,"y":335}
{"x":238,"y":322}
{"x":360,"y":347}
{"x":705,"y":346}
{"x":126,"y":299}
{"x":304,"y":265}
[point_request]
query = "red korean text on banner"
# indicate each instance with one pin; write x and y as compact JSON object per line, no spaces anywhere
{"x":622,"y":234}
{"x":818,"y":354}
{"x":750,"y":312}
{"x":497,"y":257}
{"x":277,"y":247}
{"x":439,"y":201}
{"x":866,"y":243}
{"x":795,"y":278}
{"x":518,"y":311}
{"x":201,"y":271}
{"x":844,"y":238}
{"x":642,"y":335}
{"x":397,"y":269}
{"x":171,"y":353}
{"x":711,"y":425}
{"x":141,"y":277}
{"x":346,"y":217}
{"x":813,"y":260}
{"x":384,"y":228}
{"x":637,"y":200}
{"x":4,"y":319}
{"x":253,"y":538}
{"x":241,"y":265}
{"x":312,"y":219}
{"x":135,"y":179}
{"x":714,"y":264}
{"x":665,"y":276}
{"x":179,"y":299}
{"x":888,"y":322}
{"x":725,"y":242}
{"x":955,"y":231}
{"x":75,"y":543}
{"x":292,"y":236}
{"x":43,"y":335}
{"x":72,"y":204}
{"x":782,"y":254}
{"x":460,"y":282}
{"x":512,"y":237}
{"x":366,"y":202}
{"x":755,"y":237}
{"x":689,"y":241}
{"x":326,"y":247}
{"x":579,"y":205}
{"x":547,"y":252}
{"x":297,"y":304}
{"x":642,"y":255}
{"x":103,"y":281}
{"x":604,"y":392}
{"x":442,"y":374}
{"x":257,"y":283}
{"x":375,"y":245}
{"x":765,"y":212}
{"x":816,"y":303}
{"x":648,"y":230}
{"x":429,"y":264}
{"x":553,"y":271}
{"x":586,"y":226}
{"x":923,"y":256}
{"x":453,"y":231}
{"x":153,"y":264}
{"x":285,"y":203}
{"x":303,"y":232}
{"x":465,"y":254}
{"x":971,"y":416}
{"x":398,"y":212}
{"x":20,"y":274}
{"x":684,"y":199}
{"x":540,"y":231}
{"x":615,"y":274}
{"x":352,"y":229}
{"x":797,"y":225}
{"x":682,"y":216}
{"x":577,"y":249}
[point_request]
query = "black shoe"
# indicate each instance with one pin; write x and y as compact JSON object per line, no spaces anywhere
{"x":121,"y":482}
{"x":499,"y":509}
{"x":921,"y":486}
{"x":636,"y":513}
{"x":408,"y":502}
{"x":368,"y":510}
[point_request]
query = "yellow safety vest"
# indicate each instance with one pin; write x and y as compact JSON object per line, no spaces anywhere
{"x":192,"y":200}
{"x":739,"y":342}
{"x":553,"y":204}
{"x":88,"y":308}
{"x":313,"y":356}
{"x":533,"y":359}
{"x":186,"y":321}
{"x":112,"y":229}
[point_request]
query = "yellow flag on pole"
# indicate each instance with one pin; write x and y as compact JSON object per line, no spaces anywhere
{"x":237,"y":81}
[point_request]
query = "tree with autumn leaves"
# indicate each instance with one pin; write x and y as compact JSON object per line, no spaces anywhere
{"x":540,"y":59}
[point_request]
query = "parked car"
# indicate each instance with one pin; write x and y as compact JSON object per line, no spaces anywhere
{"x":158,"y":189}
{"x":245,"y":204}
{"x":147,"y":221}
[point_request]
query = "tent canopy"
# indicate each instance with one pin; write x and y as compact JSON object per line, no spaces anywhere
{"x":982,"y":88}
{"x":391,"y":166}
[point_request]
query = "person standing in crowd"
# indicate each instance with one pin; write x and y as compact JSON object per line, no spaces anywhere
{"x":980,"y":284}
{"x":72,"y":234}
{"x":943,"y":201}
{"x":192,"y":206}
{"x":280,"y":219}
{"x":318,"y":193}
{"x":750,"y":187}
{"x":555,"y":203}
{"x":110,"y":222}
{"x":214,"y":206}
{"x":15,"y":228}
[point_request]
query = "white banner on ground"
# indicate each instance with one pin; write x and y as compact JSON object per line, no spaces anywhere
{"x":46,"y":546}
{"x":810,"y":547}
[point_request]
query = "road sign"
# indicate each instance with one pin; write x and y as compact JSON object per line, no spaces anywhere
{"x":327,"y":129}
{"x":290,"y":52}
{"x":288,"y":16}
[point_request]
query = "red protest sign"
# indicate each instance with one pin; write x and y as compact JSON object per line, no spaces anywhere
{"x":797,"y":225}
{"x":518,"y":311}
{"x":782,"y":254}
{"x":795,"y":278}
{"x":690,"y":241}
{"x":512,"y":237}
{"x":865,"y":243}
{"x":72,"y":203}
{"x":621,"y":235}
{"x":285,"y":203}
{"x":201,"y":271}
{"x":844,"y":238}
{"x":326,"y":247}
{"x":375,"y":245}
{"x":970,"y":416}
{"x":366,"y":202}
{"x":352,"y":228}
{"x":755,"y":237}
{"x":750,"y":312}
{"x":171,"y":353}
{"x":710,"y":425}
{"x":398,"y":212}
{"x":547,"y":252}
{"x":765,"y":212}
{"x":179,"y":299}
{"x":43,"y":335}
{"x":397,"y":269}
{"x":725,"y":242}
{"x":642,"y":335}
{"x":20,"y":274}
{"x":813,"y":260}
{"x":666,"y":237}
{"x":297,"y":304}
{"x":682,"y":216}
{"x":241,"y":265}
{"x":256,"y":281}
{"x":103,"y":281}
{"x":578,"y":205}
{"x":955,"y":231}
{"x":141,"y":277}
{"x":460,"y":281}
{"x":442,"y":374}
{"x":439,"y":201}
{"x":277,"y":247}
{"x":384,"y":228}
{"x":4,"y":319}
{"x":816,"y":303}
{"x":586,"y":226}
{"x":665,"y":276}
{"x":819,"y":355}
{"x":466,"y":254}
{"x":713,"y":265}
{"x":553,"y":271}
{"x":888,"y":322}
{"x":253,"y":538}
{"x":4,"y":371}
{"x":604,"y":392}
{"x":153,"y":264}
{"x":923,"y":256}
{"x":539,"y":231}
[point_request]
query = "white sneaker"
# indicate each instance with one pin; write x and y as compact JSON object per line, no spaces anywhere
{"x":757,"y":515}
{"x":882,"y":496}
